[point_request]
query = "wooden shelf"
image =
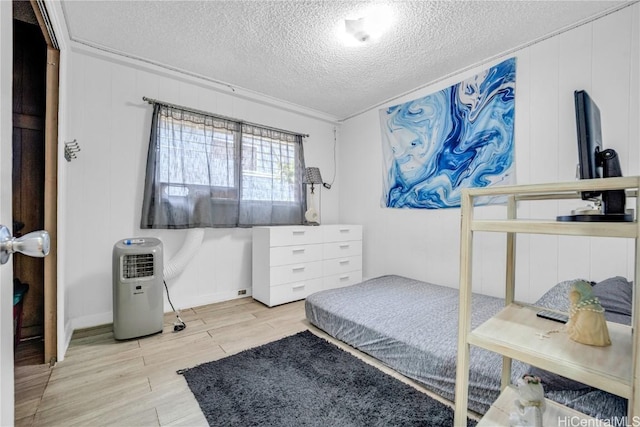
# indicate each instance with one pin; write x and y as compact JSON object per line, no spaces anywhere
{"x":517,"y":333}
{"x":556,"y":190}
{"x":555,"y":414}
{"x":599,"y":229}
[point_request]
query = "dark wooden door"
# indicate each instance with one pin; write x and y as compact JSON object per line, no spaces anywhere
{"x":29,"y":106}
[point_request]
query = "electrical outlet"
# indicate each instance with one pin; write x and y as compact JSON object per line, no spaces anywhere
{"x":242,"y":292}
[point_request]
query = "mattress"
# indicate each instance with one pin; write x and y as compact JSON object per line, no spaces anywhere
{"x":412,"y":327}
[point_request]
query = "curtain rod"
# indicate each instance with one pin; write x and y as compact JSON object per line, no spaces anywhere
{"x":218,"y":116}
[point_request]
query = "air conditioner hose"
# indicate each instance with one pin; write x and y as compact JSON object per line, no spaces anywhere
{"x":180,"y":259}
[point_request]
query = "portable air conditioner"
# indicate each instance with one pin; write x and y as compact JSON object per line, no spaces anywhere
{"x":137,"y":288}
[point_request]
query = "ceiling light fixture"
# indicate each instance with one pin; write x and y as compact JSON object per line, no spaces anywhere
{"x":370,"y":26}
{"x":357,"y":29}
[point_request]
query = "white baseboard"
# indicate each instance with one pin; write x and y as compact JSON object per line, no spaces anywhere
{"x":93,"y":320}
{"x":198,"y":300}
{"x":63,"y":344}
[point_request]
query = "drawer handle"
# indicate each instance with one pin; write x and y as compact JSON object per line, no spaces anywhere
{"x":344,"y":261}
{"x":297,"y":251}
{"x":344,"y":246}
{"x":298,"y":232}
{"x":299,"y":268}
{"x":345,"y":230}
{"x":343,"y":278}
{"x":296,"y":287}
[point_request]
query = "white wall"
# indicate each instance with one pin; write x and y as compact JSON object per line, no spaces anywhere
{"x":102,"y":188}
{"x":601,"y":57}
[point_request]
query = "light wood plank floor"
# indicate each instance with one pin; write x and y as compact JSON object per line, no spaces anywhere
{"x":134,"y":383}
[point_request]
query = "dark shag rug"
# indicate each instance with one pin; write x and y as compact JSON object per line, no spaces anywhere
{"x":303,"y":380}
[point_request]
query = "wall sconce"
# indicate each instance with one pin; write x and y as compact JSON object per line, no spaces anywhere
{"x":312,"y":176}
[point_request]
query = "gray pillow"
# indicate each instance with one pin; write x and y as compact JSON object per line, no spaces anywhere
{"x":557,"y":298}
{"x":615,"y":295}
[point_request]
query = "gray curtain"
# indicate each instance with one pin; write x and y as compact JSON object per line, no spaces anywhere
{"x":206,"y":171}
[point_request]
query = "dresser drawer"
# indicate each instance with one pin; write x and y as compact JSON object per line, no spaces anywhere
{"x":294,"y":291}
{"x":338,"y":233}
{"x":341,"y":265}
{"x":296,"y":254}
{"x":296,"y":235}
{"x":343,"y":279}
{"x":295,"y":272}
{"x":342,"y":249}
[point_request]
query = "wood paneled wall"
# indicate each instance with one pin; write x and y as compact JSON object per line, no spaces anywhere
{"x":602,"y":57}
{"x":102,"y":188}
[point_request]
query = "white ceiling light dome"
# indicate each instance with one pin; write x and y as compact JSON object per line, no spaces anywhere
{"x":368,"y":26}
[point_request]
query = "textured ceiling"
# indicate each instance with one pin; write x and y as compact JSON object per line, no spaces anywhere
{"x":290,"y":50}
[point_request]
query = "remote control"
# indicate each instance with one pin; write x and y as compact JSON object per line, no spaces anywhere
{"x":552,"y":315}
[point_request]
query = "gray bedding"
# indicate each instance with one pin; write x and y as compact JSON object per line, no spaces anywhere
{"x":412,"y":327}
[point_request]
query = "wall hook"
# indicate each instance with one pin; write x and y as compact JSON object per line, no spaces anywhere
{"x":70,"y":150}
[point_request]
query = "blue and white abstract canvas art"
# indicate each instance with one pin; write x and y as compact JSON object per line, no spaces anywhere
{"x":459,"y":137}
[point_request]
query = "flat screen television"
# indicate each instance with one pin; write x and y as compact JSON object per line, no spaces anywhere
{"x":596,"y":162}
{"x":589,"y":133}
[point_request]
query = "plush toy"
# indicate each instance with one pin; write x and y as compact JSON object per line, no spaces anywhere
{"x":530,"y":405}
{"x":587,"y":324}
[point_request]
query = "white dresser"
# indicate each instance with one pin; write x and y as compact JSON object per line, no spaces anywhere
{"x":291,"y":262}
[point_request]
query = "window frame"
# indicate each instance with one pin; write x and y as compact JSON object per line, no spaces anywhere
{"x":258,"y":156}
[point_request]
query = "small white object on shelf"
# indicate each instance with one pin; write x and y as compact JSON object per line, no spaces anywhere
{"x":530,"y":404}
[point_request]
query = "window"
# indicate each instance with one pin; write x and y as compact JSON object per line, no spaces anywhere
{"x":193,"y":158}
{"x":204,"y":171}
{"x":268,"y":168}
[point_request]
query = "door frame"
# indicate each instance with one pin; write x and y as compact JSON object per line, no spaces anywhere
{"x":6,"y":271}
{"x":7,"y":386}
{"x":50,"y":191}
